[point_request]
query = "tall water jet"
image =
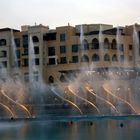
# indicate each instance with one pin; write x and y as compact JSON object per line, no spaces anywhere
{"x":15,"y":78}
{"x":35,"y":77}
{"x":14,"y":55}
{"x":118,"y":39}
{"x":3,"y":72}
{"x":81,"y":37}
{"x":101,"y":36}
{"x":101,"y":46}
{"x":32,"y":67}
{"x":84,"y":46}
{"x":136,"y":45}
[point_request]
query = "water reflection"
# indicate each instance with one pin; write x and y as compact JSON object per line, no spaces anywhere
{"x":54,"y":130}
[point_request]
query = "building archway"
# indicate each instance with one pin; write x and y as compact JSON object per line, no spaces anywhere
{"x":62,"y":78}
{"x":114,"y":57}
{"x":51,"y":79}
{"x":85,"y":45}
{"x":106,"y":57}
{"x":35,"y":39}
{"x":95,"y":57}
{"x":84,"y":58}
{"x":106,"y":44}
{"x":95,"y":44}
{"x":114,"y":44}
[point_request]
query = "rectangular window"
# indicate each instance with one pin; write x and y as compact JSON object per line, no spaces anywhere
{"x":36,"y":49}
{"x":75,"y":48}
{"x":25,"y":62}
{"x":51,"y":61}
{"x":18,"y":53}
{"x":50,"y":36}
{"x":4,"y":64}
{"x":121,"y":58}
{"x":36,"y":72}
{"x":36,"y":61}
{"x":26,"y":77}
{"x":36,"y":77}
{"x":63,"y":60}
{"x":17,"y":42}
{"x":130,"y":47}
{"x":51,"y":51}
{"x":3,"y":54}
{"x":121,"y":47}
{"x":3,"y":42}
{"x":62,"y":49}
{"x":130,"y":58}
{"x":25,"y":41}
{"x":74,"y":59}
{"x":25,"y":51}
{"x":18,"y":62}
{"x":62,"y":37}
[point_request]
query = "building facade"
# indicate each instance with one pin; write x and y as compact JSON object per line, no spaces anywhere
{"x":67,"y":50}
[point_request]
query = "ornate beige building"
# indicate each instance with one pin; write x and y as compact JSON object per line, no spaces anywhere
{"x":68,"y":49}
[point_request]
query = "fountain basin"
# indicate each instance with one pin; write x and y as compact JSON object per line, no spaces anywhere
{"x":72,"y":127}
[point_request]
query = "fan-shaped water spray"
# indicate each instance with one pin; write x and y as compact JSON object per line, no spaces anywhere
{"x":17,"y":103}
{"x":93,"y":105}
{"x":102,"y":99}
{"x":120,"y":99}
{"x":8,"y":109}
{"x":70,"y":102}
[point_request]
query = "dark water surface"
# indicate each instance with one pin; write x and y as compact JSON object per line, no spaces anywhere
{"x":109,"y":128}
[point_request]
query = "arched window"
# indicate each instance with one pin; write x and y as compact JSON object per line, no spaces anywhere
{"x":35,"y":39}
{"x":51,"y":79}
{"x":95,"y":44}
{"x":62,"y":78}
{"x":114,"y":57}
{"x":85,"y":45}
{"x":114,"y":44}
{"x":106,"y":44}
{"x":106,"y":57}
{"x":95,"y":57}
{"x":84,"y":58}
{"x":3,"y":42}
